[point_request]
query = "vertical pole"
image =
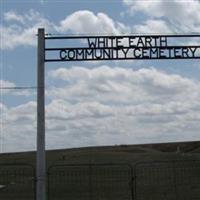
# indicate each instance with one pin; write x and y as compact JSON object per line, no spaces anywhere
{"x":41,"y":157}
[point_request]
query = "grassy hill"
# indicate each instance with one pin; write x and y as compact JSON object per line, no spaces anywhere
{"x":118,"y":153}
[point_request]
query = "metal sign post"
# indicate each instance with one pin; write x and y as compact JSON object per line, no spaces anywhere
{"x":41,"y":157}
{"x":98,"y":48}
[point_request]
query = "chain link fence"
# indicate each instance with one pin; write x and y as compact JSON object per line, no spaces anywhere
{"x":167,"y":180}
{"x":89,"y":182}
{"x":17,"y":182}
{"x":158,"y":180}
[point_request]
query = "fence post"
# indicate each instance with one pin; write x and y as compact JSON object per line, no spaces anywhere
{"x":41,"y":157}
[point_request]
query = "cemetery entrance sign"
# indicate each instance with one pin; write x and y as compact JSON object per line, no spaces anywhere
{"x":98,"y":48}
{"x":86,"y":48}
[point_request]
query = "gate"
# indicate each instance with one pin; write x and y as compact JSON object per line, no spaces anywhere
{"x":175,"y":180}
{"x":90,"y":182}
{"x":17,"y":182}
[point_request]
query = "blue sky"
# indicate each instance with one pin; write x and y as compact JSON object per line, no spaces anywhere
{"x":98,"y":103}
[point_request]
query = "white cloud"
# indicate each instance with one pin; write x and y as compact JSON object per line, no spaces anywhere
{"x":3,"y":107}
{"x":180,"y":16}
{"x":152,"y":26}
{"x":12,"y":16}
{"x":18,"y":127}
{"x":6,"y":84}
{"x":161,"y":8}
{"x":24,"y":111}
{"x":24,"y":32}
{"x":161,"y":17}
{"x":85,"y":21}
{"x":119,"y":84}
{"x":21,"y":29}
{"x":8,"y":88}
{"x":107,"y":105}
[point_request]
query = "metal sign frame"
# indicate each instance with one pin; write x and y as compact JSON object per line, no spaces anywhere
{"x":98,"y":48}
{"x":125,"y":47}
